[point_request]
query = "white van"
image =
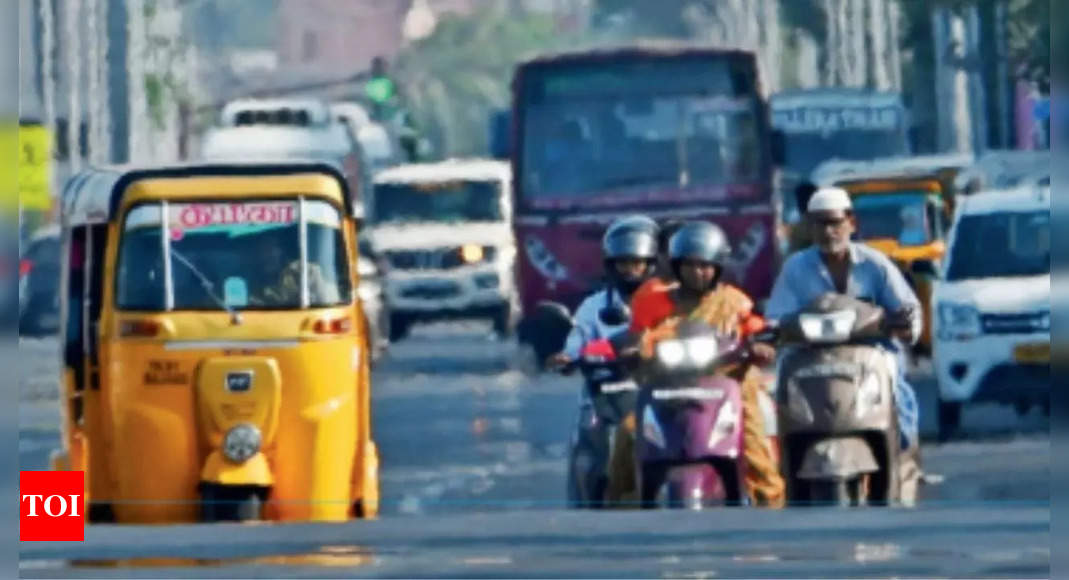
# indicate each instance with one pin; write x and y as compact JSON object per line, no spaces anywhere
{"x":992,"y":304}
{"x":330,"y":142}
{"x":444,"y":230}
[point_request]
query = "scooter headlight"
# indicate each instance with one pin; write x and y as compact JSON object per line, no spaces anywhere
{"x":671,"y":352}
{"x":828,"y":327}
{"x":868,"y":394}
{"x":241,"y":442}
{"x":701,"y":351}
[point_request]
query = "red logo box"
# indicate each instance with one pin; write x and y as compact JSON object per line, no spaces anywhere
{"x":52,"y":506}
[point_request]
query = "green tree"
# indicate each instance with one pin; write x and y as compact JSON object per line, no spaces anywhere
{"x":1028,"y":29}
{"x":453,"y":79}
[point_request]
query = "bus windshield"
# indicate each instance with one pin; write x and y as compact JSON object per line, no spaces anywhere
{"x":590,"y":128}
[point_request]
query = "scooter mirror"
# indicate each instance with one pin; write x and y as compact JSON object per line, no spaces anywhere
{"x":554,"y":312}
{"x":615,"y":315}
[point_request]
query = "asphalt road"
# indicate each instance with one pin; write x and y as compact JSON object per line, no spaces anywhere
{"x":473,"y":485}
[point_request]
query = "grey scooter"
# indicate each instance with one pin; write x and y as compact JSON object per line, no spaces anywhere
{"x":835,"y":395}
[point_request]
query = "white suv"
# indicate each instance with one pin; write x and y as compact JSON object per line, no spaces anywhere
{"x":444,"y":231}
{"x":992,"y":304}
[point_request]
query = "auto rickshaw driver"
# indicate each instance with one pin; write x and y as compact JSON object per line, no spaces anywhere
{"x":279,"y":284}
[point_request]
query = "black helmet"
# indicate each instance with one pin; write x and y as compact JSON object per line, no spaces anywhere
{"x":701,"y":241}
{"x":632,"y":236}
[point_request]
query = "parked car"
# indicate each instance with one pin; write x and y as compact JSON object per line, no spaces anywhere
{"x":992,"y":300}
{"x":39,"y":268}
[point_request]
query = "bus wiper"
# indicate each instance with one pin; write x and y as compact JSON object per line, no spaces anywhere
{"x":206,"y":283}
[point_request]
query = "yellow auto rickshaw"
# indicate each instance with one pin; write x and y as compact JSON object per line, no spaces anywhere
{"x":215,"y":360}
{"x":906,"y":217}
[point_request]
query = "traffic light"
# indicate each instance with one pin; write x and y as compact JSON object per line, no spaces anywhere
{"x":380,"y":90}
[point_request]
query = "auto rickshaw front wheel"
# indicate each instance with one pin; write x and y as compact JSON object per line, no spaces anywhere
{"x":231,"y":503}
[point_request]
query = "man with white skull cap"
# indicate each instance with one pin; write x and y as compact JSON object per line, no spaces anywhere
{"x":837,"y":264}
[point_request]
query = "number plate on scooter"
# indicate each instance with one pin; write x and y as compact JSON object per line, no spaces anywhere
{"x":691,"y":393}
{"x":619,"y":387}
{"x":239,"y":382}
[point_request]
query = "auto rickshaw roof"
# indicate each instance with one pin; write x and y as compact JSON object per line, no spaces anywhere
{"x":94,"y":195}
{"x":891,"y":184}
{"x":837,"y":170}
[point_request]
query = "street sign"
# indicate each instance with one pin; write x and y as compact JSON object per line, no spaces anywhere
{"x":35,"y":164}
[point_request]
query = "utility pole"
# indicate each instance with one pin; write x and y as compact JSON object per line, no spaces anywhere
{"x":977,"y":90}
{"x":939,"y":44}
{"x":1005,"y":95}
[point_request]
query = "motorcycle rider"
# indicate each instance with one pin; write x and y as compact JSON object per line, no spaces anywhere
{"x":698,"y":252}
{"x":834,"y":263}
{"x":664,"y":279}
{"x":630,"y":251}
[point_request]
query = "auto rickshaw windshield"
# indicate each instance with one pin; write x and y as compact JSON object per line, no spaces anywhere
{"x":232,"y":256}
{"x":903,"y":217}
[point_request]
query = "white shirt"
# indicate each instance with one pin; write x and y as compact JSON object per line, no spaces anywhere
{"x":588,"y":326}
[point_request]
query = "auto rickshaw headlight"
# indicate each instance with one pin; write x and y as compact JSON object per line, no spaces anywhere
{"x":241,"y":442}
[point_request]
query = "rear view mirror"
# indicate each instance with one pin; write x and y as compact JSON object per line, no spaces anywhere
{"x":615,"y":315}
{"x":554,"y":312}
{"x":548,"y":328}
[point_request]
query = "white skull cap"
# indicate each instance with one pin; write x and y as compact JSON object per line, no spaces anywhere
{"x":830,"y":199}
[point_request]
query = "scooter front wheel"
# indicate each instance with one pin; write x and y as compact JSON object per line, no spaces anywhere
{"x":840,"y":492}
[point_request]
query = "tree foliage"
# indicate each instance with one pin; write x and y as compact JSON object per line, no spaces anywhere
{"x":456,"y":77}
{"x":1028,"y":30}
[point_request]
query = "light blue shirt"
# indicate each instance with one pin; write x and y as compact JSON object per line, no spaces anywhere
{"x":873,"y":276}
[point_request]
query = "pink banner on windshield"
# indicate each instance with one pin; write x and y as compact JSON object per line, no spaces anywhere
{"x":213,"y":214}
{"x":623,"y":198}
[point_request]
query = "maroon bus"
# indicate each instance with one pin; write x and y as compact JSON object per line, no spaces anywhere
{"x":673,"y":133}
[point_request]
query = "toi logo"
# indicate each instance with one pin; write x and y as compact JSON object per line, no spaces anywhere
{"x":51,"y":506}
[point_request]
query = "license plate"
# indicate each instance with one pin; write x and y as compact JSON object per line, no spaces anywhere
{"x":619,"y":387}
{"x":1032,"y":353}
{"x":239,"y":382}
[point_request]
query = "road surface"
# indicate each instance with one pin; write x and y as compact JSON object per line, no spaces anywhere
{"x":473,"y":485}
